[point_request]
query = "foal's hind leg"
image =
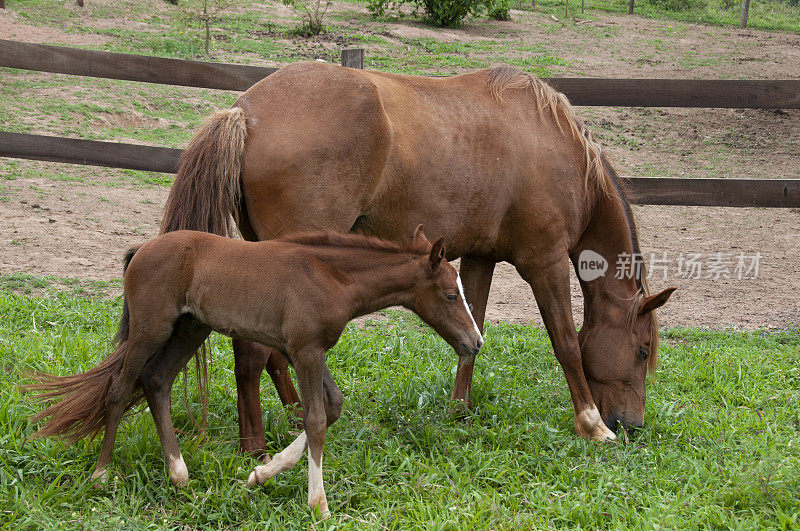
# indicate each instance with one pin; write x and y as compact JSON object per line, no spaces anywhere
{"x":476,"y":277}
{"x":141,"y":347}
{"x":157,"y":379}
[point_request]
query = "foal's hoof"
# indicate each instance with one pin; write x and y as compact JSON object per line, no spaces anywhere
{"x":261,"y":474}
{"x":178,"y":473}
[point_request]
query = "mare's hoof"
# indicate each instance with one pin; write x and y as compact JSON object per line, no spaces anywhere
{"x":589,"y":425}
{"x":99,"y":478}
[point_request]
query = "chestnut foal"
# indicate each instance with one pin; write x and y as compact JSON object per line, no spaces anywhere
{"x":294,"y":294}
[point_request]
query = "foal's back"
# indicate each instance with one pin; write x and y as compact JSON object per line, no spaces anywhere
{"x":242,"y":289}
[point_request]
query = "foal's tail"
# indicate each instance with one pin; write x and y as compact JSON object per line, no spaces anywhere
{"x":81,"y":410}
{"x":207,"y":189}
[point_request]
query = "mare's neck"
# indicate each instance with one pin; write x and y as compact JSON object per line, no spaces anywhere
{"x":611,"y":233}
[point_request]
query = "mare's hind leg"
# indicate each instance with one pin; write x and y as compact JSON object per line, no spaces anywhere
{"x":476,"y":277}
{"x":249,"y":361}
{"x":550,"y":284}
{"x":157,"y":379}
{"x":141,"y":347}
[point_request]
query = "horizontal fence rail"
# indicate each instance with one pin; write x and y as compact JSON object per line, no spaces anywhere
{"x":62,"y":60}
{"x":761,"y":94}
{"x":782,"y":193}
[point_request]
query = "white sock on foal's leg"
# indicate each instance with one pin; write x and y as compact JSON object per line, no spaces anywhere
{"x":178,"y":473}
{"x":280,"y":463}
{"x":316,"y":490}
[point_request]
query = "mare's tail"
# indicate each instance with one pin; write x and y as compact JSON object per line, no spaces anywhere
{"x":81,"y":410}
{"x":206,"y":195}
{"x":206,"y":191}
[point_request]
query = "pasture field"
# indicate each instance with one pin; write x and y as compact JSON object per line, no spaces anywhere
{"x":721,"y":445}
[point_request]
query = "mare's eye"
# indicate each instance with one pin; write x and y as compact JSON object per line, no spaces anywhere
{"x":643,"y":353}
{"x":450,"y":296}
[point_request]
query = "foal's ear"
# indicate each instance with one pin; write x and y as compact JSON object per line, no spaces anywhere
{"x":655,"y":301}
{"x":437,"y":254}
{"x":419,"y":239}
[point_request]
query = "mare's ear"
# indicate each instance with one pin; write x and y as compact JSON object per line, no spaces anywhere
{"x":655,"y":301}
{"x":419,"y":240}
{"x":437,"y":254}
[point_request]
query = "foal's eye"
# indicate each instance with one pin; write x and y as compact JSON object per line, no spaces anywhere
{"x":644,"y":353}
{"x":450,"y":296}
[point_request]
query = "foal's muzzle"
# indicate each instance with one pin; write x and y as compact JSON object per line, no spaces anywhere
{"x":470,"y":347}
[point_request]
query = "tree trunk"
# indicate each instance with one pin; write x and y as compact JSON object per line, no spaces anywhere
{"x":566,"y":10}
{"x":79,"y":3}
{"x":630,"y":7}
{"x":745,"y":11}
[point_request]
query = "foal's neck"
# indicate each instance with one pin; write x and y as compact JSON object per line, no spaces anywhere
{"x":376,"y":279}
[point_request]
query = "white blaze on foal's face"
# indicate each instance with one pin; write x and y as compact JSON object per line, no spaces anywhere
{"x":466,"y":306}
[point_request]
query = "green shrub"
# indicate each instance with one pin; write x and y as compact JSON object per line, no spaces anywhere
{"x":448,"y":13}
{"x":498,"y":9}
{"x":679,"y":5}
{"x":443,"y":13}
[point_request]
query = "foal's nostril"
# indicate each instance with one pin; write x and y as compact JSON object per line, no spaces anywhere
{"x":480,"y":343}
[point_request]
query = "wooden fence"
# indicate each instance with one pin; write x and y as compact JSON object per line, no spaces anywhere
{"x":581,"y":91}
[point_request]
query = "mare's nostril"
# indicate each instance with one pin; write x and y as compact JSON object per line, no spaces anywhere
{"x":480,"y":343}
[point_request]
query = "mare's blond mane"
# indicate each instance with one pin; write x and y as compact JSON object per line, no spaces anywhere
{"x":550,"y":102}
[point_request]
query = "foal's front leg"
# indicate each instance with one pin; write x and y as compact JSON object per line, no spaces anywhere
{"x":322,"y":404}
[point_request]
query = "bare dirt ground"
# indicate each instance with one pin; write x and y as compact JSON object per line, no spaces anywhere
{"x":74,"y":221}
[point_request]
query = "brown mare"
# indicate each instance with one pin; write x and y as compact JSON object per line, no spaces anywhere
{"x":495,"y":161}
{"x":294,"y":295}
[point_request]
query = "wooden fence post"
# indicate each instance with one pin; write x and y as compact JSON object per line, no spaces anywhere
{"x":353,"y":58}
{"x":745,"y":10}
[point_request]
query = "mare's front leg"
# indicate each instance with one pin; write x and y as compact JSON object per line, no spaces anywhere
{"x":476,"y":277}
{"x":157,"y":380}
{"x":550,"y":283}
{"x":249,"y":361}
{"x":322,"y":406}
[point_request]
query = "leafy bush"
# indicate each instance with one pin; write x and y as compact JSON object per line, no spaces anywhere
{"x":444,"y":13}
{"x":498,"y":9}
{"x":448,"y":13}
{"x":312,"y":13}
{"x":679,"y":5}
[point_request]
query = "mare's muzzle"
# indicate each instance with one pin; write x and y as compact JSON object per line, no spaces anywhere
{"x":614,"y":421}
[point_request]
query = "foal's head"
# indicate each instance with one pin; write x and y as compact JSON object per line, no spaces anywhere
{"x":438,"y":298}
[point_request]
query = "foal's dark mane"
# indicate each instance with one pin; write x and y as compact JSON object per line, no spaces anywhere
{"x":352,"y":241}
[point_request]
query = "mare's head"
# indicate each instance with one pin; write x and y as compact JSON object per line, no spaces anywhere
{"x":617,"y":351}
{"x":438,"y":298}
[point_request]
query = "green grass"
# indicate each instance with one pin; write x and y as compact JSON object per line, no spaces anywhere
{"x":721,"y":446}
{"x":769,"y":15}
